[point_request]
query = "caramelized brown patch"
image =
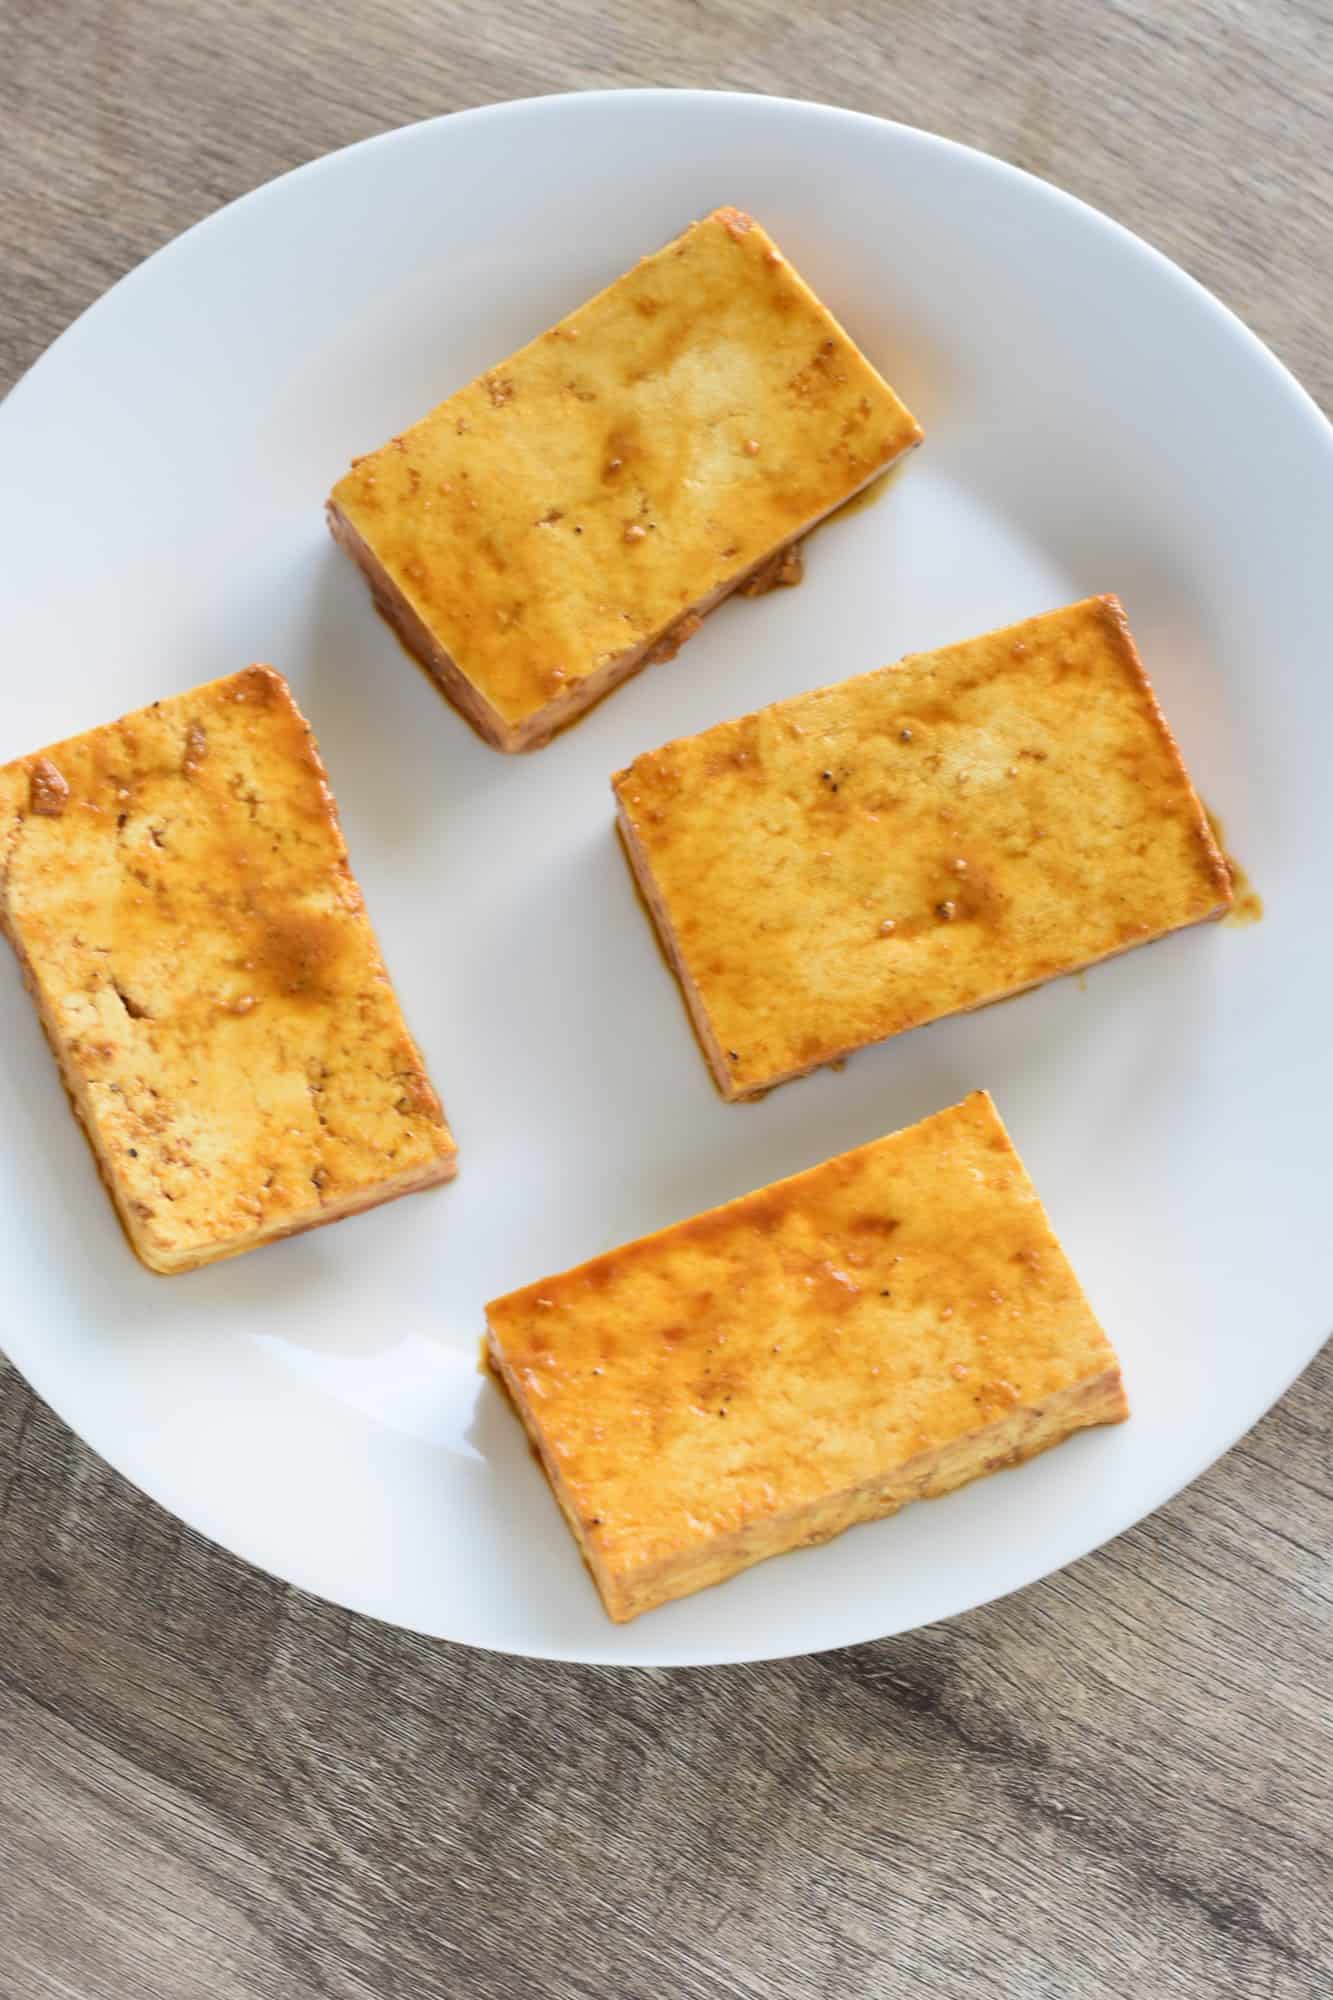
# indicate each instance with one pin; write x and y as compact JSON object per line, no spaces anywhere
{"x":766,"y":1213}
{"x":419,"y":1099}
{"x":299,"y":954}
{"x":781,"y":572}
{"x":673,"y":639}
{"x":623,"y":446}
{"x":48,"y":790}
{"x":260,"y":684}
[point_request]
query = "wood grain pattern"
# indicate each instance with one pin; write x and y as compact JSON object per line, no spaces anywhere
{"x":1115,"y":1783}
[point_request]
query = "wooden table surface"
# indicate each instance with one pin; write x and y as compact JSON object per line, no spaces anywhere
{"x":1117,"y":1782}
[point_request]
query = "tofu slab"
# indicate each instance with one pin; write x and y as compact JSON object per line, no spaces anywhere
{"x":883,"y":1328}
{"x":575,"y":513}
{"x":920,"y":840}
{"x":178,"y":892}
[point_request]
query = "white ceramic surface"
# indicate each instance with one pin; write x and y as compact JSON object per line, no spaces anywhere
{"x":1094,"y":422}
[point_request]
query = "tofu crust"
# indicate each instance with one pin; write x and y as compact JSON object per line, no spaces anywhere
{"x":916,"y":842}
{"x":882,"y":1328}
{"x":178,"y":893}
{"x":578,"y":510}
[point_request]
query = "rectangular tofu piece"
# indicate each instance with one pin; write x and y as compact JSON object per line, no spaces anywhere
{"x":574,"y":513}
{"x":178,"y":892}
{"x":881,"y":1329}
{"x":920,"y":840}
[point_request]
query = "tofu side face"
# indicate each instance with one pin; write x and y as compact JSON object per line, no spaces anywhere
{"x":704,"y":1397}
{"x":634,"y":461}
{"x":180,"y":897}
{"x":922,"y":839}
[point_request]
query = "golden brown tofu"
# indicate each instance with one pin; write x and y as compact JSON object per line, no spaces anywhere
{"x":575,"y":513}
{"x":178,"y":892}
{"x":880,"y":1329}
{"x":926,"y":838}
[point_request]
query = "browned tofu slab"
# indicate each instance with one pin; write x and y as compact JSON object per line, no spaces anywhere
{"x":880,"y":1329}
{"x":178,"y":892}
{"x":574,"y":513}
{"x":927,"y":838}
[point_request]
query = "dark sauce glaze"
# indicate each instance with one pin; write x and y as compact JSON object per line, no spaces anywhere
{"x":1248,"y":906}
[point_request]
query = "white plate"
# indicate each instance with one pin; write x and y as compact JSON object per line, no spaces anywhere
{"x":1094,"y":422}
